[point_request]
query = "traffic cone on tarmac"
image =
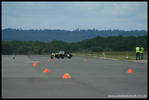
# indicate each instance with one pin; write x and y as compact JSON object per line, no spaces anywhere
{"x":130,"y":71}
{"x":85,"y":60}
{"x":66,"y":76}
{"x":35,"y":64}
{"x":46,"y":70}
{"x":49,"y":60}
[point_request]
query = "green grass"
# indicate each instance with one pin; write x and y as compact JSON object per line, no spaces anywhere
{"x":125,"y":55}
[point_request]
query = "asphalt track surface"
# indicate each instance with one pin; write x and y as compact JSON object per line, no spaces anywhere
{"x":95,"y":78}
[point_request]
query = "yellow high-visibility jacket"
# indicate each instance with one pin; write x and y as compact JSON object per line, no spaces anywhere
{"x":137,"y":49}
{"x":142,"y":50}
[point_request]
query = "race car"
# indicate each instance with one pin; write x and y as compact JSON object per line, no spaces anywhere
{"x":61,"y":54}
{"x":69,"y":55}
{"x":56,"y":55}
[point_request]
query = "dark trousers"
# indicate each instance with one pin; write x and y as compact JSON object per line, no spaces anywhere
{"x":137,"y":56}
{"x":141,"y":56}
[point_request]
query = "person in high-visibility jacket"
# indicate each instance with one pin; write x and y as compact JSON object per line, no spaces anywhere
{"x":137,"y":53}
{"x":141,"y":53}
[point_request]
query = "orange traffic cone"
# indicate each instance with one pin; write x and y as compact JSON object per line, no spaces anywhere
{"x":66,"y":75}
{"x":130,"y":71}
{"x":85,"y":60}
{"x":34,"y":65}
{"x":49,"y":60}
{"x":46,"y":70}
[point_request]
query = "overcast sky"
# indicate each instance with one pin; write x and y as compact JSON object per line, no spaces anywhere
{"x":72,"y":15}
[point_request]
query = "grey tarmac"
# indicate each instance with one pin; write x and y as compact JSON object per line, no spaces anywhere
{"x":95,"y":78}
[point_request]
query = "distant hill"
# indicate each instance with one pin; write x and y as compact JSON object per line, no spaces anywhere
{"x":64,"y":35}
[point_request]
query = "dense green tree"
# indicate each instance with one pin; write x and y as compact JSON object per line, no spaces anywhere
{"x":98,"y":44}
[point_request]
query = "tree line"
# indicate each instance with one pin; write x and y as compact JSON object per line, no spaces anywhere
{"x":47,"y":35}
{"x":97,"y":44}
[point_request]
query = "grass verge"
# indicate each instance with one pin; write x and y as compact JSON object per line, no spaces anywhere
{"x":122,"y":55}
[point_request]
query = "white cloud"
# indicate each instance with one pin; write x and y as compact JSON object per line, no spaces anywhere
{"x":75,"y":13}
{"x":125,"y":8}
